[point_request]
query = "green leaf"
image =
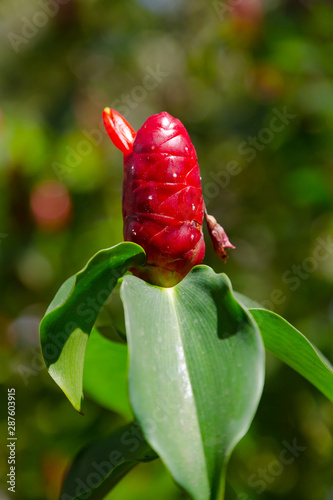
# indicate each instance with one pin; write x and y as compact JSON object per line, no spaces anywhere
{"x":68,"y":321}
{"x":196,"y":370}
{"x":292,"y":347}
{"x":102,"y":464}
{"x":105,"y":373}
{"x":246,"y":301}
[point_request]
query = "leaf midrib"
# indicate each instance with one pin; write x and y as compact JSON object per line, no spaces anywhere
{"x":171,"y":293}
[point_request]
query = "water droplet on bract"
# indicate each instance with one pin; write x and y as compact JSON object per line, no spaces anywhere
{"x":174,"y":175}
{"x":186,"y":149}
{"x":150,"y":197}
{"x":192,"y":237}
{"x":153,"y":147}
{"x":193,"y":206}
{"x":165,"y":121}
{"x":133,"y":232}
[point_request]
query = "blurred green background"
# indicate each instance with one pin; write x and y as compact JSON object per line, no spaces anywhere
{"x":252,"y":82}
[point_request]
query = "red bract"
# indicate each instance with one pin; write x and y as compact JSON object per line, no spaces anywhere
{"x":163,"y":208}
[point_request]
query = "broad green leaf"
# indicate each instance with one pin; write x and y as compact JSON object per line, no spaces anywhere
{"x":196,"y":370}
{"x":68,"y":321}
{"x":292,"y":347}
{"x":105,"y":373}
{"x":102,"y":464}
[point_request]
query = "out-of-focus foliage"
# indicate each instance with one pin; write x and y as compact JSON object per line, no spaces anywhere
{"x":252,"y":82}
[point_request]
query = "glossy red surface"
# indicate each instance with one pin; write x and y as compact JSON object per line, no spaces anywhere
{"x":163,"y":207}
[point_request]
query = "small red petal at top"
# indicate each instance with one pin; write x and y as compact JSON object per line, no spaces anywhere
{"x":119,"y":130}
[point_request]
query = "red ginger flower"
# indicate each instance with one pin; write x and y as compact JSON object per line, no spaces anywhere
{"x":163,"y":207}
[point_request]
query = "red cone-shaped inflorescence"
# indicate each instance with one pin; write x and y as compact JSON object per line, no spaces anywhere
{"x":163,"y":207}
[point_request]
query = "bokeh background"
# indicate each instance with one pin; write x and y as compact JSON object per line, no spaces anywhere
{"x":226,"y":69}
